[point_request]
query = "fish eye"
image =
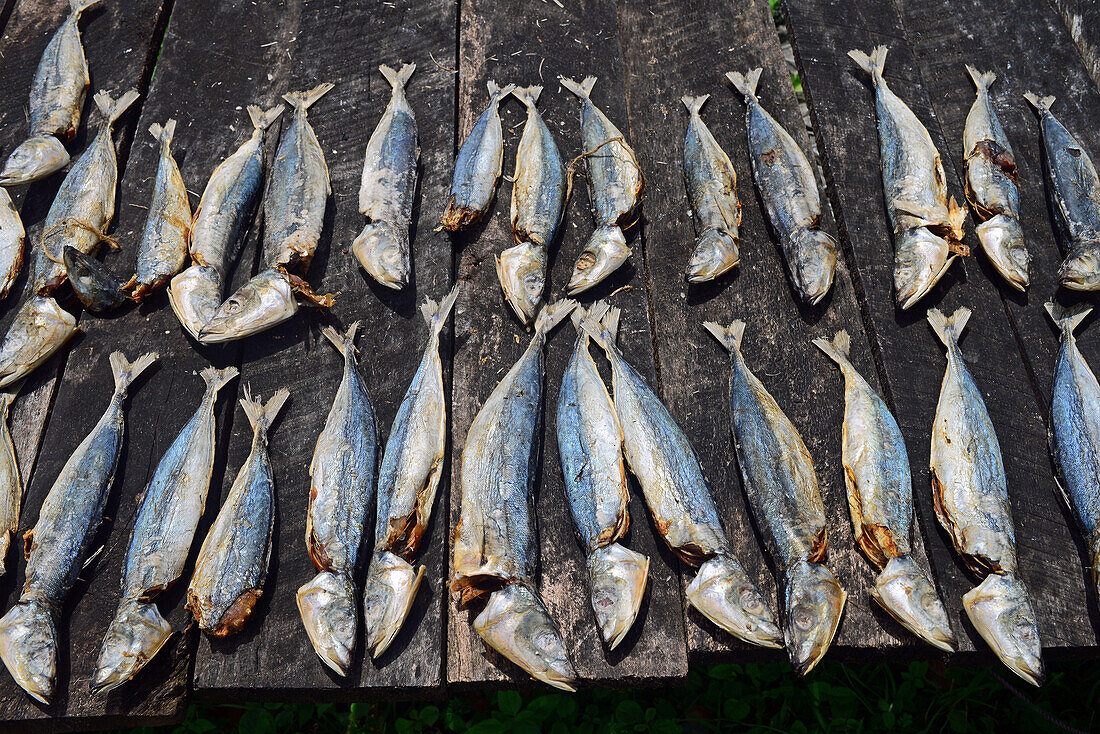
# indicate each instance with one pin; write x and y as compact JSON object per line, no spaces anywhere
{"x":804,"y":617}
{"x":752,"y":602}
{"x":1024,"y":631}
{"x":544,"y":640}
{"x":233,"y":305}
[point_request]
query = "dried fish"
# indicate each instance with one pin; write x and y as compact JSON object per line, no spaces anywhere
{"x":12,"y":239}
{"x":164,"y":529}
{"x":195,"y":295}
{"x":712,"y":189}
{"x":928,"y":227}
{"x":39,"y":329}
{"x":11,"y":482}
{"x":95,"y":285}
{"x":387,"y":188}
{"x":615,"y":186}
{"x":477,"y":168}
{"x":56,"y":546}
{"x":268,"y":299}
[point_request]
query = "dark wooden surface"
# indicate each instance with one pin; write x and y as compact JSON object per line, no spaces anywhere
{"x":1082,"y":19}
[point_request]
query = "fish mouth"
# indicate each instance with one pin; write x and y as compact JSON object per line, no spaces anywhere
{"x":329,"y":614}
{"x":814,"y":601}
{"x":724,"y":594}
{"x":1003,"y":242}
{"x":379,"y":250}
{"x":1001,"y":611}
{"x":617,"y":578}
{"x":605,"y":252}
{"x":521,"y":272}
{"x":388,"y":596}
{"x":28,"y":647}
{"x":716,"y":252}
{"x":516,"y":624}
{"x":908,"y":595}
{"x":136,"y":635}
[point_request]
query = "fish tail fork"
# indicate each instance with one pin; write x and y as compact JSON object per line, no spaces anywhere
{"x":217,"y":379}
{"x":1067,"y":318}
{"x":874,"y":64}
{"x":258,"y":413}
{"x":126,"y":372}
{"x":304,"y":100}
{"x":728,"y":336}
{"x":694,"y":104}
{"x":28,"y":646}
{"x":949,"y":328}
{"x":528,"y":95}
{"x":113,"y":108}
{"x":398,"y":79}
{"x":552,"y":314}
{"x":79,"y":6}
{"x":1042,"y":104}
{"x":745,"y":83}
{"x":388,"y":595}
{"x":982,"y":79}
{"x":837,"y":348}
{"x":164,"y":133}
{"x":583,"y":89}
{"x":263,"y":119}
{"x":435,"y":314}
{"x":135,"y":636}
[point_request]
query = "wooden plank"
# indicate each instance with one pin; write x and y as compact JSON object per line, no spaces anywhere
{"x":272,"y":656}
{"x":1082,"y":18}
{"x":911,"y":361}
{"x":533,"y":44}
{"x":663,"y":60}
{"x":946,"y":36}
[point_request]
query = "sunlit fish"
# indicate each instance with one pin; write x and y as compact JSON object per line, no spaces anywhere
{"x":12,"y":239}
{"x":39,"y":329}
{"x":712,"y":190}
{"x":11,"y":482}
{"x":477,"y":167}
{"x":268,"y":299}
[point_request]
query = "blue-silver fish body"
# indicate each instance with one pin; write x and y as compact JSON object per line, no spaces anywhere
{"x":164,"y":529}
{"x":387,"y":188}
{"x":712,"y":190}
{"x":477,"y":167}
{"x":970,"y":496}
{"x":781,"y":486}
{"x":165,"y":240}
{"x":56,"y":546}
{"x":342,"y":475}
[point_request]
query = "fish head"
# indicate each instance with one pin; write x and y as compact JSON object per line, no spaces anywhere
{"x":329,"y":610}
{"x":28,"y":647}
{"x":136,"y":634}
{"x":605,"y":252}
{"x":813,"y":600}
{"x":617,"y":579}
{"x":909,"y":596}
{"x":1001,"y":611}
{"x":266,"y":300}
{"x":725,"y":595}
{"x":195,"y":295}
{"x":384,"y":254}
{"x":35,"y":159}
{"x":921,"y":260}
{"x":812,"y":263}
{"x":388,"y":596}
{"x":516,"y":624}
{"x":715,"y":252}
{"x":1081,"y":270}
{"x":1003,"y":242}
{"x":95,"y":284}
{"x":521,"y":270}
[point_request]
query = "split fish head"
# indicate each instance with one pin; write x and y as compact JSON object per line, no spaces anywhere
{"x":28,"y":647}
{"x":909,"y":596}
{"x":715,"y":253}
{"x":195,"y":295}
{"x":34,"y":159}
{"x":812,"y":263}
{"x":617,"y":579}
{"x":1003,"y":242}
{"x":813,"y":600}
{"x":726,"y":596}
{"x":136,"y":634}
{"x":265,"y":301}
{"x":388,"y":596}
{"x":383,"y":253}
{"x":521,"y":270}
{"x":921,"y":260}
{"x":1081,"y":270}
{"x":1001,"y":611}
{"x":605,"y":252}
{"x":329,"y":612}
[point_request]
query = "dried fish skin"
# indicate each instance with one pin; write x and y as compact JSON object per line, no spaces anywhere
{"x":95,"y":285}
{"x":195,"y":296}
{"x":408,"y":480}
{"x":232,"y":562}
{"x":39,"y":329}
{"x":12,"y":240}
{"x":36,"y":158}
{"x":388,"y":186}
{"x":165,"y":241}
{"x":11,"y":482}
{"x":712,"y":190}
{"x":263,"y":302}
{"x":297,"y":194}
{"x":164,"y":529}
{"x":477,"y":167}
{"x":781,"y":486}
{"x":615,"y":185}
{"x":970,"y":494}
{"x":56,"y":546}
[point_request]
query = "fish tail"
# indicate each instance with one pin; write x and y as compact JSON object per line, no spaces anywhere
{"x":342,"y":341}
{"x":836,"y":348}
{"x":583,"y":89}
{"x":611,"y":324}
{"x":949,"y":329}
{"x":79,"y":6}
{"x":164,"y":133}
{"x":552,"y":314}
{"x":305,"y":100}
{"x":694,"y":104}
{"x":497,"y":92}
{"x":1043,"y":104}
{"x":398,"y":79}
{"x":1068,"y":318}
{"x":436,"y":313}
{"x":982,"y":79}
{"x":113,"y":108}
{"x":217,"y":379}
{"x":528,"y":95}
{"x":262,"y":119}
{"x":746,"y":84}
{"x":595,"y":312}
{"x":126,"y":372}
{"x":873,"y":64}
{"x":257,"y":412}
{"x":729,"y":336}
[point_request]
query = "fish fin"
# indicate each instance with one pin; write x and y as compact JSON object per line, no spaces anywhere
{"x":6,"y":399}
{"x":164,"y":133}
{"x":552,"y":314}
{"x":79,"y":6}
{"x":746,"y":84}
{"x":217,"y":379}
{"x":263,"y":119}
{"x":498,"y":92}
{"x":126,"y":372}
{"x":982,"y":79}
{"x":398,"y":79}
{"x":694,"y":104}
{"x":256,"y":411}
{"x":873,"y":64}
{"x":113,"y":108}
{"x":305,"y":100}
{"x":611,"y":324}
{"x":583,"y":89}
{"x":949,"y":328}
{"x":528,"y":95}
{"x":729,"y":336}
{"x":341,"y":341}
{"x":956,"y":219}
{"x":436,"y":313}
{"x":1067,"y":318}
{"x":1043,"y":104}
{"x":836,"y":348}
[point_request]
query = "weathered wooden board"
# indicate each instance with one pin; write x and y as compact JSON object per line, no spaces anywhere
{"x":912,"y":361}
{"x":670,"y":37}
{"x":272,"y":656}
{"x":1082,"y":18}
{"x":533,"y":44}
{"x":946,"y":36}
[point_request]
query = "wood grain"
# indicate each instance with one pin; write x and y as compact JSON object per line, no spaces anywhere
{"x":1082,"y":19}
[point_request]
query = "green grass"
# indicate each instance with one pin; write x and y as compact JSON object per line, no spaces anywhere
{"x":766,"y":697}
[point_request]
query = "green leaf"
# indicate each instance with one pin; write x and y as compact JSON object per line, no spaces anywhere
{"x":256,"y":720}
{"x":429,"y":715}
{"x":509,"y":702}
{"x":629,"y":712}
{"x":736,"y":709}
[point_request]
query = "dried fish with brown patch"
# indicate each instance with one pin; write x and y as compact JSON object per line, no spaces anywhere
{"x":12,"y":239}
{"x":477,"y":167}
